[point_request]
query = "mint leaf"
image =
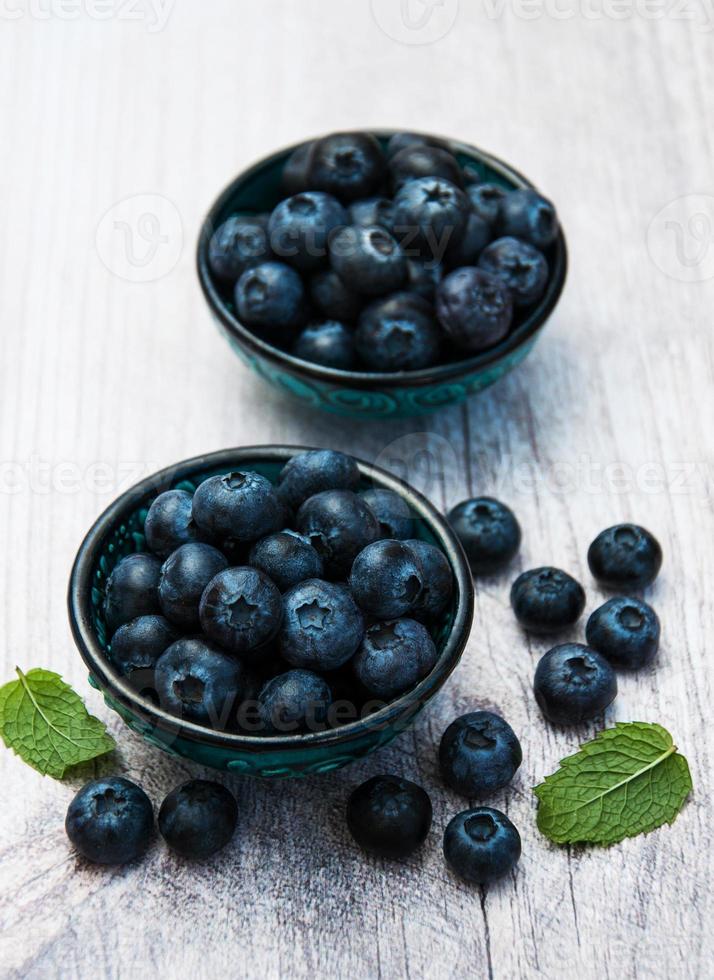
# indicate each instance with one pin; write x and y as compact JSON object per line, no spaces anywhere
{"x":45,"y":722}
{"x":628,"y":780}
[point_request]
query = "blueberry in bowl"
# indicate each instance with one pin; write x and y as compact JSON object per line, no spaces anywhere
{"x":290,"y":667}
{"x":296,"y":252}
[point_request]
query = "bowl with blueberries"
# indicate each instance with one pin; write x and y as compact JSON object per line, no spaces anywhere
{"x":270,"y":610}
{"x":378,"y":274}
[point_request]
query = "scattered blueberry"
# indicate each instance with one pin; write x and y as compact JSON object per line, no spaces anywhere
{"x":488,"y":531}
{"x":481,"y":845}
{"x":393,"y":657}
{"x":386,"y":579}
{"x":422,"y":161}
{"x":392,"y":512}
{"x":170,"y":523}
{"x":519,"y":266}
{"x":294,"y":702}
{"x":430,"y":215}
{"x":198,"y":682}
{"x":546,"y":600}
{"x":138,"y":644}
{"x":242,"y":505}
{"x":573,"y":683}
{"x":398,"y":333}
{"x":198,"y":818}
{"x":312,"y":472}
{"x":368,"y":259}
{"x":322,"y":627}
{"x":348,"y":165}
{"x":329,"y":343}
{"x":339,"y":524}
{"x":110,"y":821}
{"x":184,"y":576}
{"x":486,"y":200}
{"x":479,"y":753}
{"x":625,"y":631}
{"x":241,"y":609}
{"x":372,"y":211}
{"x":239,"y":243}
{"x":474,"y":308}
{"x":526,"y":214}
{"x":438,"y":581}
{"x":271,"y":297}
{"x":132,"y":590}
{"x":287,"y":558}
{"x":625,"y":556}
{"x":333,"y":297}
{"x":300,"y":227}
{"x":389,"y":816}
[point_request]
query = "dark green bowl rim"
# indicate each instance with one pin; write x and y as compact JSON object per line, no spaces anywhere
{"x":367,"y":379}
{"x":80,"y":610}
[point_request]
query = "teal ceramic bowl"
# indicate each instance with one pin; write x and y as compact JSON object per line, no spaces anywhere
{"x":119,"y":531}
{"x":362,"y":394}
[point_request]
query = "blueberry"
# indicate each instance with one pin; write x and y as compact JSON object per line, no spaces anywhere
{"x":296,"y":701}
{"x":625,"y":631}
{"x":138,"y":644}
{"x":333,"y":297}
{"x":419,"y":161}
{"x":389,"y":816}
{"x":423,"y":278}
{"x":519,"y":266}
{"x":546,"y":600}
{"x":372,"y":211}
{"x":398,"y":333}
{"x":479,"y":754}
{"x":386,"y":579}
{"x":132,"y":590}
{"x":488,"y":531}
{"x":287,"y":558}
{"x":322,"y":626}
{"x":438,"y":581}
{"x":486,"y":200}
{"x":312,"y":472}
{"x":368,"y":259}
{"x":348,"y":165}
{"x":573,"y":683}
{"x":526,"y":214}
{"x":625,"y":556}
{"x":430,"y":215}
{"x":170,"y":523}
{"x":198,"y":682}
{"x":393,"y":657}
{"x":236,"y":245}
{"x":295,"y":171}
{"x":271,"y":297}
{"x":481,"y":845}
{"x":300,"y":226}
{"x":392,"y":512}
{"x":474,"y":308}
{"x":241,"y":505}
{"x":466,"y":249}
{"x":400,"y":141}
{"x":184,"y":576}
{"x":329,"y":342}
{"x":198,"y":818}
{"x":339,"y":525}
{"x":241,"y":609}
{"x":110,"y":820}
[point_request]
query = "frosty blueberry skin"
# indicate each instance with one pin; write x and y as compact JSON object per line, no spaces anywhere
{"x":241,"y":610}
{"x":293,"y":702}
{"x":339,"y":524}
{"x":169,"y":522}
{"x":479,"y":753}
{"x":625,"y":556}
{"x":398,"y":333}
{"x":393,"y":657}
{"x":184,"y":576}
{"x":488,"y":531}
{"x":519,"y":266}
{"x":237,"y":244}
{"x":526,"y":214}
{"x":271,"y":298}
{"x":287,"y":558}
{"x":132,"y":590}
{"x":386,"y":579}
{"x":421,"y":161}
{"x":309,"y":473}
{"x":474,"y":308}
{"x":546,"y":600}
{"x":430,"y":215}
{"x":138,"y":644}
{"x":573,"y":684}
{"x":392,"y":512}
{"x":329,"y":343}
{"x":300,"y":226}
{"x":368,"y":259}
{"x":348,"y":165}
{"x":389,"y":816}
{"x":240,"y":505}
{"x":481,"y":845}
{"x":322,"y":626}
{"x":438,"y":581}
{"x":110,"y":821}
{"x":198,"y":818}
{"x":625,"y":631}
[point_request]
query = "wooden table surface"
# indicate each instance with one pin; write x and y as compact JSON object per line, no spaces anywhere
{"x":111,"y":368}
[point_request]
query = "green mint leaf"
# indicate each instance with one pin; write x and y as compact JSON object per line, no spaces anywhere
{"x":45,"y":722}
{"x":628,"y":780}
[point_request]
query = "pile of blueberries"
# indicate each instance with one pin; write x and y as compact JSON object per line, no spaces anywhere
{"x":256,"y":603}
{"x":385,"y":261}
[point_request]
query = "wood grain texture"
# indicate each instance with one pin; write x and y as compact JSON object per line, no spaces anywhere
{"x":105,"y":379}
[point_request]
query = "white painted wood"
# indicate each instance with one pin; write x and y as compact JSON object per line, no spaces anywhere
{"x":104,"y":379}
